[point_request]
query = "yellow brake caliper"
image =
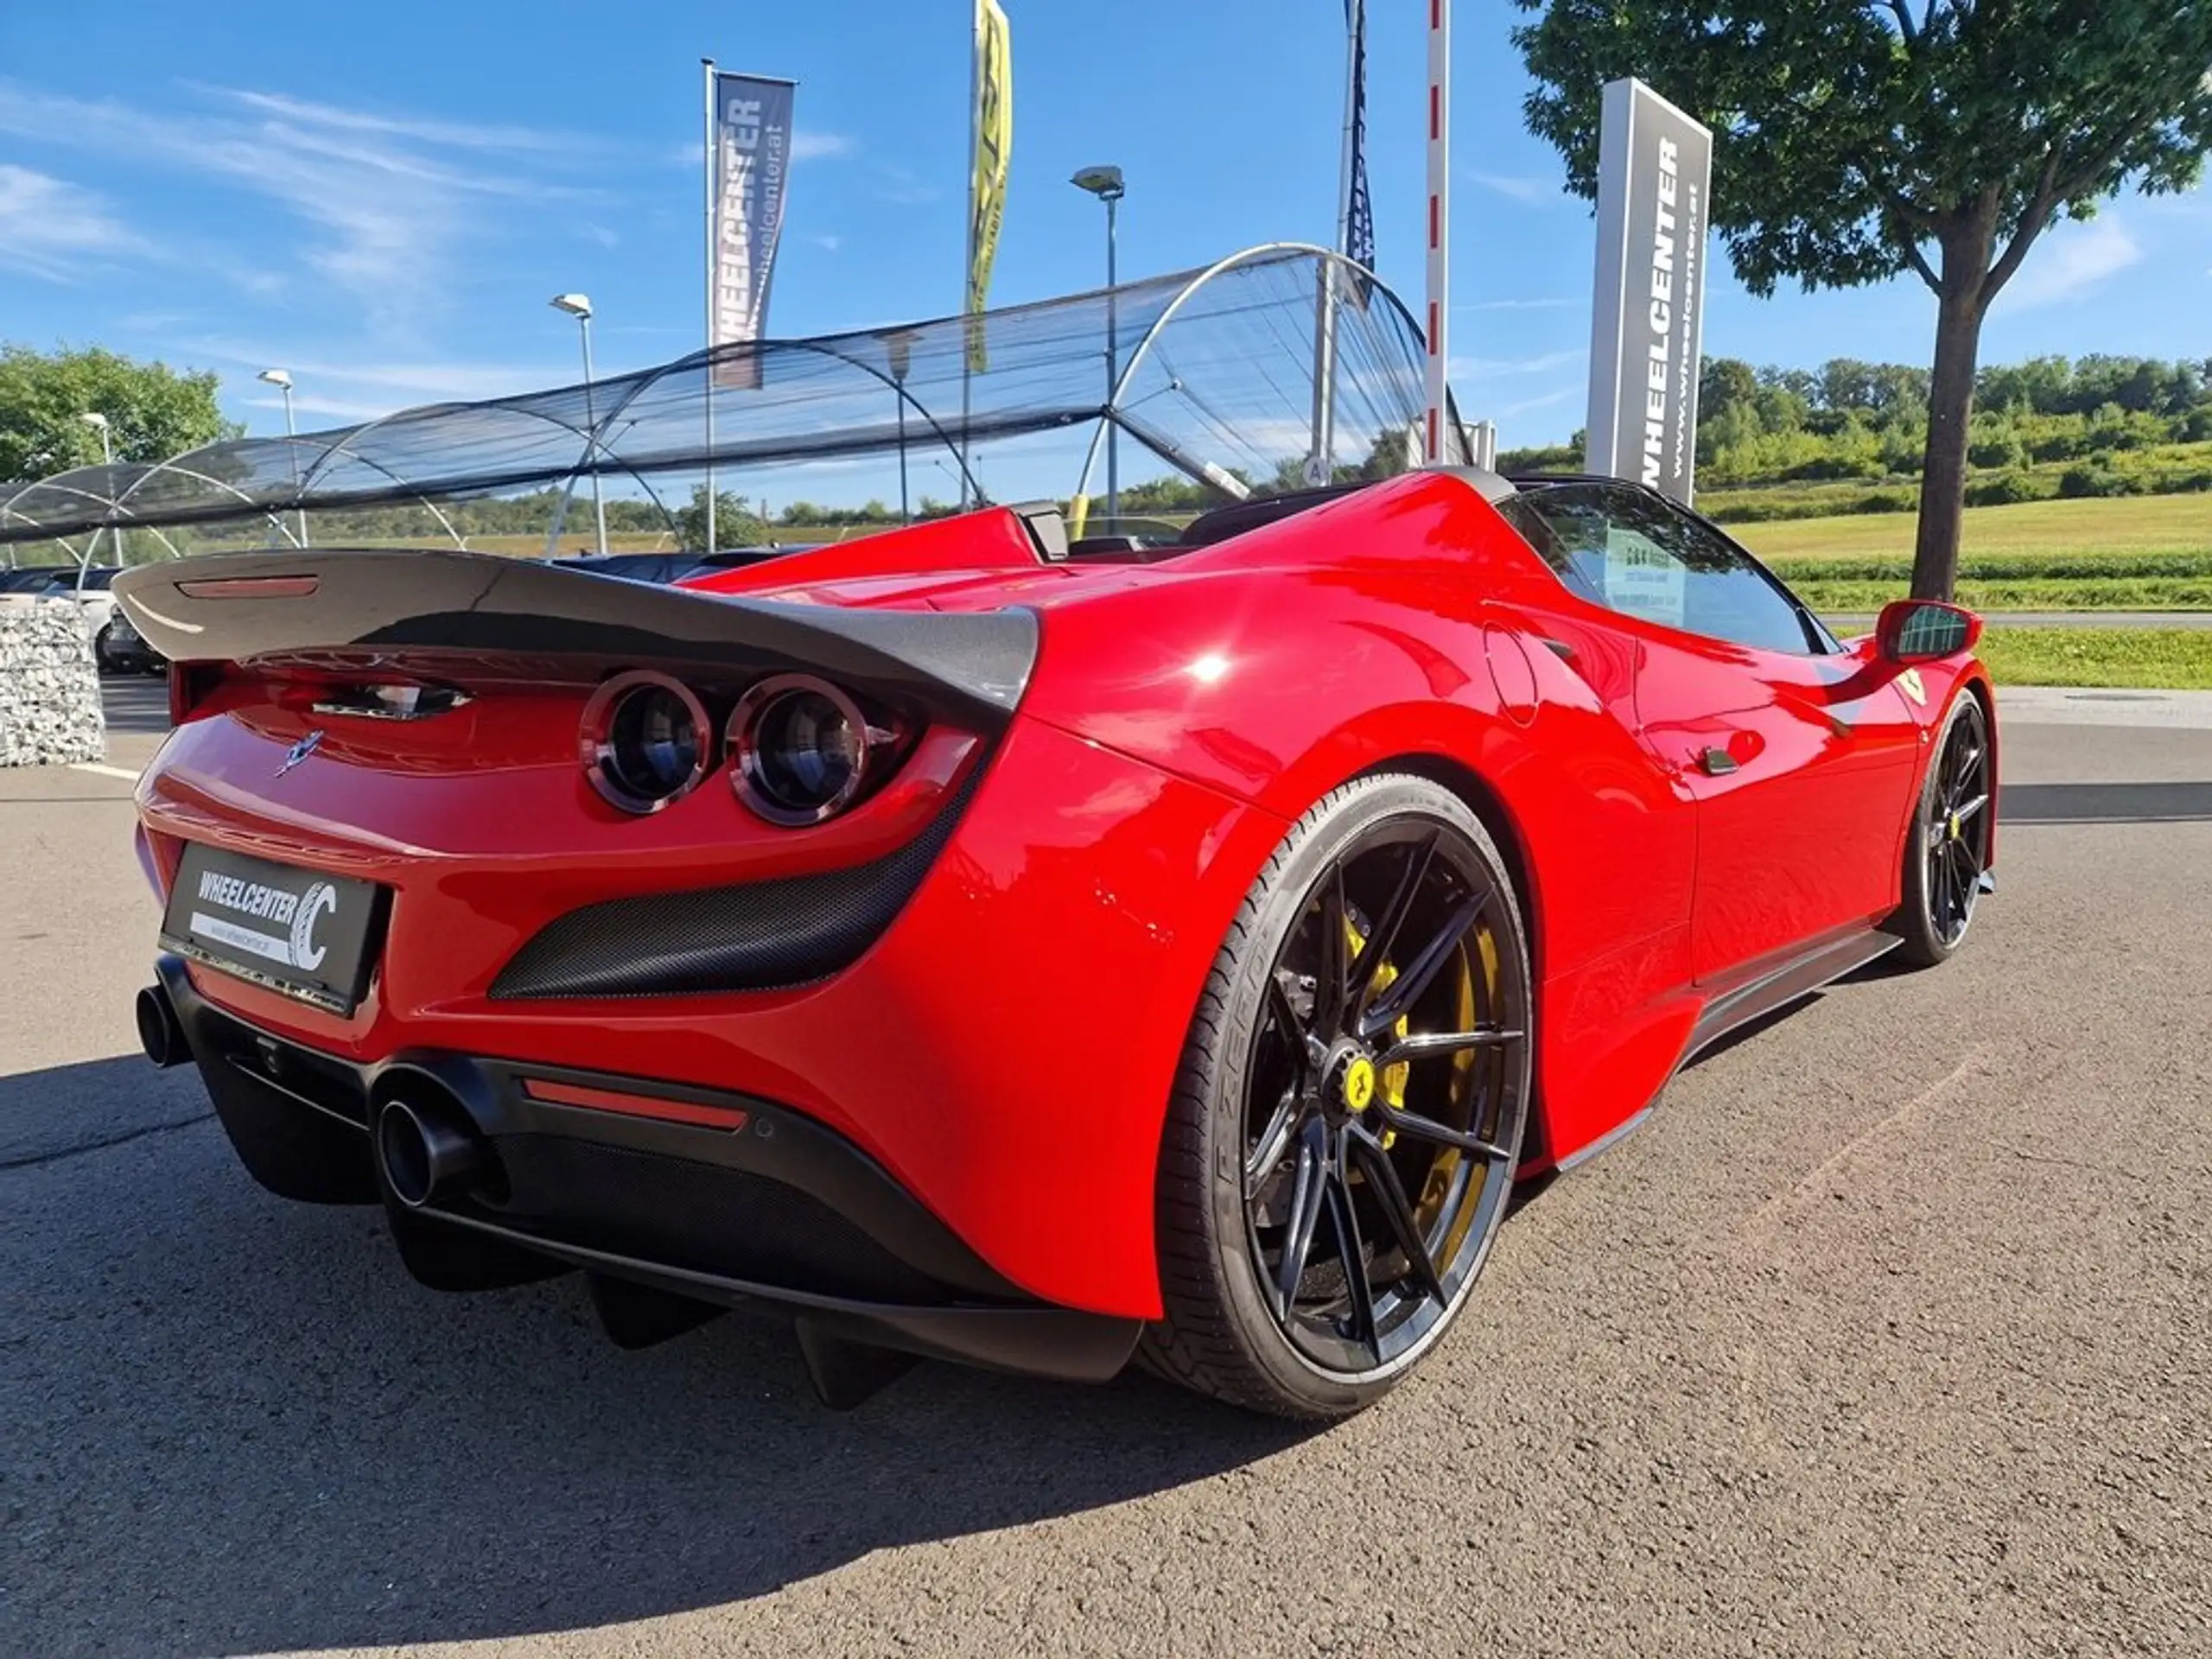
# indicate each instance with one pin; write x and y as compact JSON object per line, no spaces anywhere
{"x":1392,"y":1080}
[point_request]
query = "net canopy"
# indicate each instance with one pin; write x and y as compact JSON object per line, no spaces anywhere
{"x":1275,"y":368}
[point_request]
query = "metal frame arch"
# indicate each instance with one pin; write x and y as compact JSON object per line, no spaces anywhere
{"x":111,"y":503}
{"x":1325,"y":257}
{"x":344,"y":448}
{"x":54,"y":483}
{"x":172,"y":465}
{"x":596,"y":445}
{"x":704,"y":360}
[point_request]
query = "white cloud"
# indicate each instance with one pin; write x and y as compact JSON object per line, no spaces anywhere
{"x":906,"y":189}
{"x":808,"y":146}
{"x":1550,"y":400}
{"x":827,"y":243}
{"x":326,"y":384}
{"x":1530,"y":190}
{"x":1488,"y":368}
{"x":422,"y":130}
{"x":2074,"y":260}
{"x":49,"y":227}
{"x":1560,"y":304}
{"x":392,"y":203}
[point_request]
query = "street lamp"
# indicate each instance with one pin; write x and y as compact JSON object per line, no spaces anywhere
{"x":98,"y":422}
{"x":283,"y":381}
{"x":579,"y":306}
{"x":1105,"y":183}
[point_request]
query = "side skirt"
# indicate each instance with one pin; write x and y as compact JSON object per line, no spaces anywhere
{"x":1768,"y":991}
{"x":1778,"y":987}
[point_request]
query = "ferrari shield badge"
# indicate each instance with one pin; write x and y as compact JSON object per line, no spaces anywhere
{"x":1908,"y":682}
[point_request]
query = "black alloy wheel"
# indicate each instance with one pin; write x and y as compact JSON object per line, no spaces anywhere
{"x":1365,"y":1108}
{"x":1949,"y":853}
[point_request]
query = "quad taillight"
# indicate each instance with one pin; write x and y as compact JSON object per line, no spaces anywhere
{"x":644,"y":741}
{"x":800,"y":749}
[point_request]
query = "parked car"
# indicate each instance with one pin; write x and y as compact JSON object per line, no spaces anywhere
{"x":89,"y":589}
{"x":980,"y":946}
{"x":664,"y":568}
{"x":123,"y":649}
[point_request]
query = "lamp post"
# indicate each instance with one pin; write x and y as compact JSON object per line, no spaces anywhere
{"x":99,"y":423}
{"x":283,"y":381}
{"x":1105,"y":183}
{"x":579,"y":306}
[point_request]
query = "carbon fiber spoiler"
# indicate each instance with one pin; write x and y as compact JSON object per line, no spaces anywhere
{"x":389,"y":604}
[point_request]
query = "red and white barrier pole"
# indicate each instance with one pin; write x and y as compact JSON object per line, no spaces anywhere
{"x":1439,"y":221}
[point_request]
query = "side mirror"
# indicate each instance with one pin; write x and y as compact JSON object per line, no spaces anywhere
{"x":1922,"y":629}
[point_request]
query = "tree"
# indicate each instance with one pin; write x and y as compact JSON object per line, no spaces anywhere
{"x":153,"y":411}
{"x":735,"y":524}
{"x":1856,"y":141}
{"x":1725,"y":384}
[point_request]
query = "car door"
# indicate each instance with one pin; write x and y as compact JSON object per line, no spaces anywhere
{"x":1801,"y":756}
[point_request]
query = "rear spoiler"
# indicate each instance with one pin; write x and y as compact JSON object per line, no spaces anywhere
{"x":392,"y":604}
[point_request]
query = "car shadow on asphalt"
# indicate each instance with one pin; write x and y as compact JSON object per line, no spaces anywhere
{"x":2158,"y":803}
{"x":236,"y":1425}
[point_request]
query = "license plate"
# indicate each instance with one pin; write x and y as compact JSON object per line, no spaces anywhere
{"x":301,"y":932}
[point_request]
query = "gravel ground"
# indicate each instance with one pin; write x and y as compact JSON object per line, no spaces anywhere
{"x":1887,"y":1334}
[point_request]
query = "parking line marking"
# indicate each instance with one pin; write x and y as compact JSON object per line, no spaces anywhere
{"x":128,"y":777}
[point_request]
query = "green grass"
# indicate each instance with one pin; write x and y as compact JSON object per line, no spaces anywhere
{"x":1833,"y":597}
{"x":2004,"y":567}
{"x":2148,"y":658}
{"x":572,"y":541}
{"x":2116,"y":524}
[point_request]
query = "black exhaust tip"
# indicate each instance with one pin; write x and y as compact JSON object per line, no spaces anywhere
{"x":160,"y":1032}
{"x":425,"y":1153}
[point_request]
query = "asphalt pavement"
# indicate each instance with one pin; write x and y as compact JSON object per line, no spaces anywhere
{"x":1887,"y":1334}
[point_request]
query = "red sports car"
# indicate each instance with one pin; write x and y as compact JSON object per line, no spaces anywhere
{"x":977,"y":945}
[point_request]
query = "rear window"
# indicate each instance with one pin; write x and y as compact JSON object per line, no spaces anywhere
{"x":1637,"y":554}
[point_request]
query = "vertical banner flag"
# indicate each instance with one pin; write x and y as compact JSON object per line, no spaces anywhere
{"x":993,"y":143}
{"x":1358,"y":212}
{"x":752,"y":161}
{"x":1654,"y":183}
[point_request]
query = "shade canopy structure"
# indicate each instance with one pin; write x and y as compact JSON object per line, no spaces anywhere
{"x":1278,"y":366}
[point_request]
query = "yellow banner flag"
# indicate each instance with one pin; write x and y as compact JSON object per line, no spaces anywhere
{"x":993,"y":145}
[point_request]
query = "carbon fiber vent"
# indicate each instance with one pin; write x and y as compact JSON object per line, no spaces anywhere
{"x":762,"y":936}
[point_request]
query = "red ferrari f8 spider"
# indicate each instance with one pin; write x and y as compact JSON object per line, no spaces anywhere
{"x":973,"y":944}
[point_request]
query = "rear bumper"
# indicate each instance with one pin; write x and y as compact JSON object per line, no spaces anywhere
{"x":1004,"y":1050}
{"x":753,"y":1205}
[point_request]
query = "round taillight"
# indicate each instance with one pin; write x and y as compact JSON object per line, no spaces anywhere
{"x":644,"y":741}
{"x":802,"y":749}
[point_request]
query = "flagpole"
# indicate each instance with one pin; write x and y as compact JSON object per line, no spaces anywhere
{"x":707,"y":68}
{"x":968,"y":266}
{"x":1320,"y":460}
{"x":1440,"y":224}
{"x":1355,"y":26}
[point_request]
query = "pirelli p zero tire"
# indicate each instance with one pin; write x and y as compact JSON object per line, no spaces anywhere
{"x":1340,"y":1147}
{"x":1946,"y":850}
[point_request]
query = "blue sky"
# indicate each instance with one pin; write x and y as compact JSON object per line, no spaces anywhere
{"x":382,"y":200}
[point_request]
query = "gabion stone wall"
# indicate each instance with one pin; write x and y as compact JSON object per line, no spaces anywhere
{"x":49,"y":687}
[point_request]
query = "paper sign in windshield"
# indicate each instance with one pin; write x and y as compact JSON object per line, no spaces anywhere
{"x":1642,"y":579}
